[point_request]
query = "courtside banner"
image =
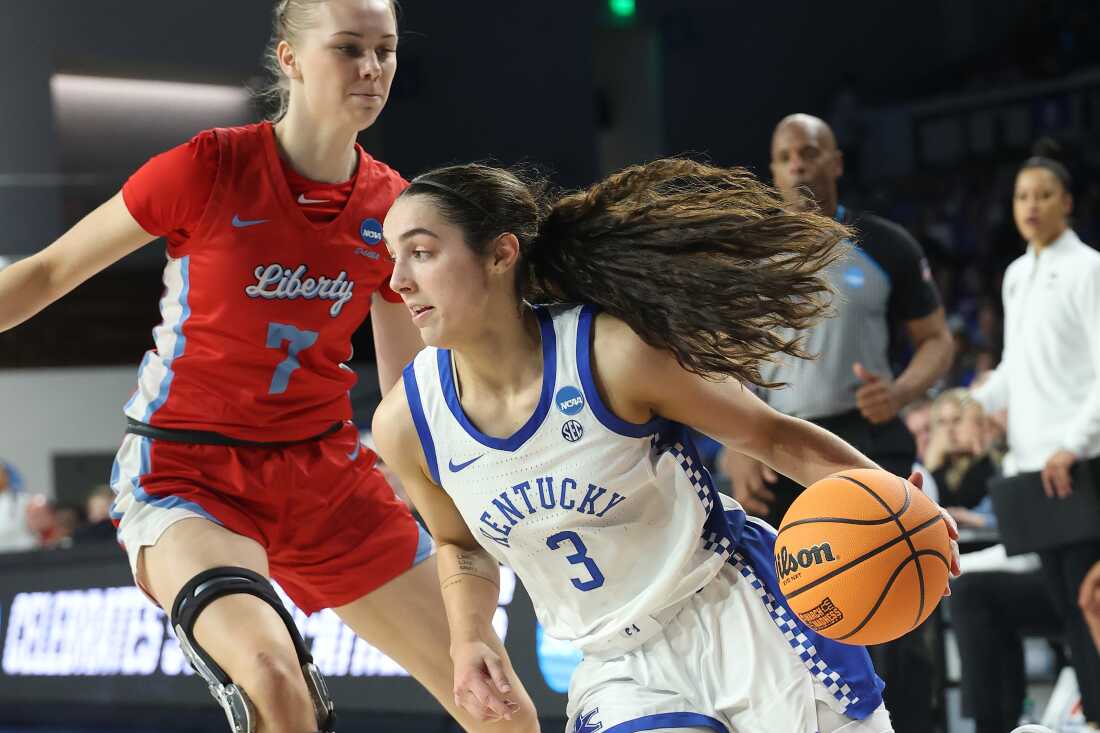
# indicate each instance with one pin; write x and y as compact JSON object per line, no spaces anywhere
{"x":75,"y":630}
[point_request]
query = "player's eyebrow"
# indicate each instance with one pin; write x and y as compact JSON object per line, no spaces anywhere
{"x":360,"y":35}
{"x":418,"y":230}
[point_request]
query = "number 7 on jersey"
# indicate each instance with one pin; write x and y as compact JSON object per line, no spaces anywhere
{"x":297,"y":341}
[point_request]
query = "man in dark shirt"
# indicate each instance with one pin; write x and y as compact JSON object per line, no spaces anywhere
{"x":849,"y":388}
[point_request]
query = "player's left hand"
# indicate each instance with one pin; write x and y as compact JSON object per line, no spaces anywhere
{"x":917,"y":479}
{"x":879,"y":399}
{"x":1056,"y":478}
{"x":481,"y":685}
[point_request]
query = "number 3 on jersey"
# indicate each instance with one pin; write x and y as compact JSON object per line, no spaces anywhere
{"x":297,"y":340}
{"x":580,"y":557}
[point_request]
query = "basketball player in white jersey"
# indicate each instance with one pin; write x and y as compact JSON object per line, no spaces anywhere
{"x":552,"y":439}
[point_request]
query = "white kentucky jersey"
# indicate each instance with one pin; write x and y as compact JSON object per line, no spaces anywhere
{"x":606,"y":522}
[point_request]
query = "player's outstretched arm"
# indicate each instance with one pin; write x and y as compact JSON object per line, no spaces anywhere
{"x":485,"y":684}
{"x":641,"y":381}
{"x":99,"y":239}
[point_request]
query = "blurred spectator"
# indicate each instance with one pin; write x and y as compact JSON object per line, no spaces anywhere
{"x":47,"y":523}
{"x":991,"y":612}
{"x":97,"y":526}
{"x":1049,"y":380}
{"x":918,"y":418}
{"x":962,"y":456}
{"x":996,"y":423}
{"x":15,"y":535}
{"x":68,"y":519}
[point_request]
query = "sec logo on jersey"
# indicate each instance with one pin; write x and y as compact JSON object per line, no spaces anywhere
{"x":572,"y":431}
{"x":569,"y":400}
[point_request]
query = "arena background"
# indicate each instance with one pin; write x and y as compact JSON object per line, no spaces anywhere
{"x":934,"y":104}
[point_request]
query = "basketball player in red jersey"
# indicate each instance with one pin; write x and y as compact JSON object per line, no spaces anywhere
{"x":240,"y":462}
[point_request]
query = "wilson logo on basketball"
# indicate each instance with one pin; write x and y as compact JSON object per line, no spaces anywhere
{"x":788,"y":563}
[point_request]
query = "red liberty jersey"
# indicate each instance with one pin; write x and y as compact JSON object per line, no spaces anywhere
{"x":261,"y":298}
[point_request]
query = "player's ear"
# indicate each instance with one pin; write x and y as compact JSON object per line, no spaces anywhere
{"x":288,"y":61}
{"x":839,"y":163}
{"x":503,"y":252}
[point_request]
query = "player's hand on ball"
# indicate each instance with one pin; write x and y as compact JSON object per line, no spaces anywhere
{"x":481,"y":685}
{"x":917,"y":479}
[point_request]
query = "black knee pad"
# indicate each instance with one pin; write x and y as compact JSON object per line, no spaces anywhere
{"x":215,"y":583}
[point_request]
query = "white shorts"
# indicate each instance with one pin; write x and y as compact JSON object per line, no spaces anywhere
{"x":721,"y":664}
{"x":141,"y":521}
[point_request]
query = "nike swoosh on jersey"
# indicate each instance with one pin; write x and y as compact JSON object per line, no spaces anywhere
{"x":303,"y":200}
{"x":241,"y":223}
{"x":456,"y":467}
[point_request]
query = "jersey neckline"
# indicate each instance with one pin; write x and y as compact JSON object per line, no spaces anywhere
{"x":281,"y":186}
{"x":549,"y":377}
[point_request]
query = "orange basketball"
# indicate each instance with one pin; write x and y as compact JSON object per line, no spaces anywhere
{"x":863,"y":556}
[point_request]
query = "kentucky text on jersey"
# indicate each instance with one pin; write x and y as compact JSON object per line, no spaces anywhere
{"x":544,"y":493}
{"x":277,"y":281}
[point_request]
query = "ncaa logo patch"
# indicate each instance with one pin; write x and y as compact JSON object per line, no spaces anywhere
{"x":569,"y":400}
{"x":371,"y":232}
{"x":854,"y":277}
{"x":572,"y":431}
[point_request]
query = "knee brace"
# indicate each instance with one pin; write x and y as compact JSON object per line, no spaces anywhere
{"x":215,"y":583}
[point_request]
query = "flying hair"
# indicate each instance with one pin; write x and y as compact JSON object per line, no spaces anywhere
{"x":705,"y":262}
